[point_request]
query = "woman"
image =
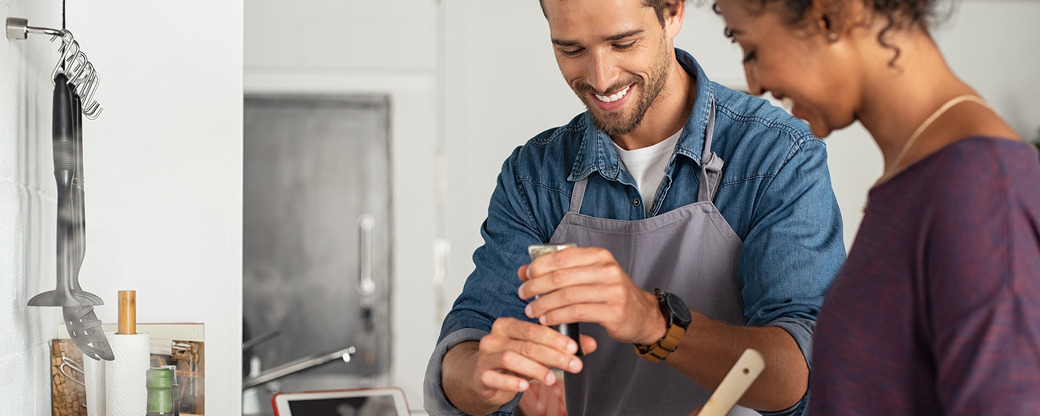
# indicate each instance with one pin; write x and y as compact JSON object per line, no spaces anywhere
{"x":937,"y":309}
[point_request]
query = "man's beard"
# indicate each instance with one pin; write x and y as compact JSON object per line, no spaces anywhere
{"x":620,"y":122}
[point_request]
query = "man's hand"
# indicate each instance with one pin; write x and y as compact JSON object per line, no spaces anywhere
{"x":503,"y":361}
{"x":588,"y":285}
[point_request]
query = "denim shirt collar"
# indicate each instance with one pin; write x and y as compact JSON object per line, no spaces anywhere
{"x":597,"y":153}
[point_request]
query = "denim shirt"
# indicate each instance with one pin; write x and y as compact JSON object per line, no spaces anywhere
{"x":775,"y":194}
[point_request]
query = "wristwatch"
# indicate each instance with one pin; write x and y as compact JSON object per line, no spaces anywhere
{"x":677,"y":317}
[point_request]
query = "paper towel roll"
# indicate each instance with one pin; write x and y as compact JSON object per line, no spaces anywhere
{"x":125,"y":390}
{"x":94,"y":379}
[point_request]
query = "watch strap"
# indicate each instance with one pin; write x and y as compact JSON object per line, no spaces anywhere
{"x":659,"y":350}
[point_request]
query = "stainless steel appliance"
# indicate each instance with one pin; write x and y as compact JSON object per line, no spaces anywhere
{"x":316,"y":249}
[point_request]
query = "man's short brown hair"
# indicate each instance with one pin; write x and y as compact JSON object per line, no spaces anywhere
{"x":659,"y":7}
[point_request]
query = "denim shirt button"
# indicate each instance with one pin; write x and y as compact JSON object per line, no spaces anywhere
{"x":635,"y":202}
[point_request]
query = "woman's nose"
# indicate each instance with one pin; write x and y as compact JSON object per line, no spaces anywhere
{"x":751,"y":74}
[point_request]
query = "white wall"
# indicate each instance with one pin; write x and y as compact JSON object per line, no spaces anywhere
{"x":991,"y":44}
{"x":163,"y":167}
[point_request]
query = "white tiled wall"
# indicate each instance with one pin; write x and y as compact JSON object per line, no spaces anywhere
{"x":26,"y":187}
{"x":163,"y":181}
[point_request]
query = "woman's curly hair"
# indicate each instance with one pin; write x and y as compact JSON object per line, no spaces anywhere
{"x":898,"y":14}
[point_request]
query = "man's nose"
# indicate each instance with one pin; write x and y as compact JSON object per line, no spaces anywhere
{"x":603,"y":71}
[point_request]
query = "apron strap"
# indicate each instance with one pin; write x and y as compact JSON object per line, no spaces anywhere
{"x":711,"y":163}
{"x":711,"y":171}
{"x":578,"y":194}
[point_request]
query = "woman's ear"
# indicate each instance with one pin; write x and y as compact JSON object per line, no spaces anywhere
{"x":828,"y":18}
{"x":828,"y":29}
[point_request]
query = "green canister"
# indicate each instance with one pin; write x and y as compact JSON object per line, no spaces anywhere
{"x":160,"y":391}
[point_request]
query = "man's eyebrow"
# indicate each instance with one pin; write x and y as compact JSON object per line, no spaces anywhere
{"x":623,"y":35}
{"x":611,"y":38}
{"x":561,"y":42}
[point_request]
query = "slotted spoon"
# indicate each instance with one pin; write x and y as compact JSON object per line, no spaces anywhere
{"x":83,"y":325}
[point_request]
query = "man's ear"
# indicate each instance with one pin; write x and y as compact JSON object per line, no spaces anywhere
{"x":674,"y":12}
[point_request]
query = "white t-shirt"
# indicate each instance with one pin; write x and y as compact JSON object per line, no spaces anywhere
{"x":647,"y":166}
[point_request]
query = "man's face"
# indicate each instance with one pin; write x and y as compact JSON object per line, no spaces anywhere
{"x":614,"y":54}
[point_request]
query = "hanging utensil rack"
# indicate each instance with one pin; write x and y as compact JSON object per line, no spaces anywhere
{"x":75,"y":81}
{"x":73,"y":63}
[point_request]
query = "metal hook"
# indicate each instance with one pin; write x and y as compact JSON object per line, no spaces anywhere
{"x":84,"y":74}
{"x":72,"y":58}
{"x":68,"y":44}
{"x":67,"y":362}
{"x":75,"y":72}
{"x":78,"y":69}
{"x":93,"y":110}
{"x":82,"y":82}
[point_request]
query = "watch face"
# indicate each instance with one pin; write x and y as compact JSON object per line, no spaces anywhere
{"x":678,"y":308}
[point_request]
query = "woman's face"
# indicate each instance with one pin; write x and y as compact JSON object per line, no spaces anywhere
{"x":796,"y":63}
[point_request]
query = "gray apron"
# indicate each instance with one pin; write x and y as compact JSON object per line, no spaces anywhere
{"x":690,"y":251}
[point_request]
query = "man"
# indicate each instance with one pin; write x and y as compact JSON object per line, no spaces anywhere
{"x":635,"y":182}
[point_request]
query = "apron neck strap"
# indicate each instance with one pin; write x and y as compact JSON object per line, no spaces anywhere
{"x":578,"y":194}
{"x":711,"y":163}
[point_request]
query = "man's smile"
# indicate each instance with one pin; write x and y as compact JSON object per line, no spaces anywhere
{"x":613,"y":97}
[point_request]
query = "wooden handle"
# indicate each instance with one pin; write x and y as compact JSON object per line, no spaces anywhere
{"x":733,"y":386}
{"x":127,"y":312}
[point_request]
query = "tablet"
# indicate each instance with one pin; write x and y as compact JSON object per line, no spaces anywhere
{"x":386,"y":401}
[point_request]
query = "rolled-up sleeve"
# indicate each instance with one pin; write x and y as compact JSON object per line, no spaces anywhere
{"x":794,"y":249}
{"x":436,"y":403}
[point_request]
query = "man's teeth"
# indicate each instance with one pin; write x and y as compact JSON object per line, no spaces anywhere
{"x":613,"y":97}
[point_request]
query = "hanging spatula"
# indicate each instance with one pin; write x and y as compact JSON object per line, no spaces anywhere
{"x":83,"y":325}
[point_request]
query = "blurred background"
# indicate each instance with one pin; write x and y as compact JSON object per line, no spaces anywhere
{"x":308,"y":176}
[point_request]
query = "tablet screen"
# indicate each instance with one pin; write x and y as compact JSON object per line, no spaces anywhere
{"x":357,"y":402}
